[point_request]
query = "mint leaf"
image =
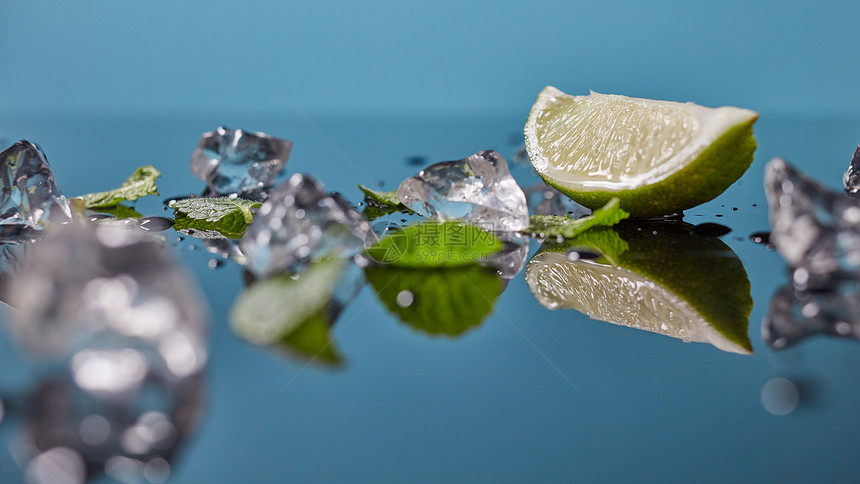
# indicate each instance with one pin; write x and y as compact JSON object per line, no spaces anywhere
{"x":436,"y":244}
{"x":139,"y":184}
{"x":380,"y":203}
{"x":293,"y":313}
{"x":229,"y":216}
{"x":443,"y":301}
{"x":555,"y":225}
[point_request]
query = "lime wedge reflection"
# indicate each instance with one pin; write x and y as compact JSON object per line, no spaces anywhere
{"x":659,"y":277}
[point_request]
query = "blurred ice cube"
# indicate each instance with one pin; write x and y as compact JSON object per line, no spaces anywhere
{"x":851,"y":180}
{"x":298,"y":223}
{"x":478,"y":189}
{"x":107,"y":288}
{"x":30,"y":195}
{"x":239,"y":162}
{"x":815,"y":229}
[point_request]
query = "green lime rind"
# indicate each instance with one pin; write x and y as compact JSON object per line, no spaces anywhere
{"x":702,"y":271}
{"x":710,"y":174}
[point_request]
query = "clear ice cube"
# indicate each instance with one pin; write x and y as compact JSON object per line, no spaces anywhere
{"x":239,"y":162}
{"x":298,"y":223}
{"x":478,"y":189}
{"x":30,"y":195}
{"x":89,"y":287}
{"x":851,"y":180}
{"x":816,"y":230}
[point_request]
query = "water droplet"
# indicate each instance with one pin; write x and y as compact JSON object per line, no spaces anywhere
{"x":405,"y":298}
{"x":734,"y":209}
{"x":99,"y":216}
{"x":711,"y":229}
{"x":214,"y":263}
{"x":168,"y":202}
{"x":416,"y":161}
{"x":582,"y":255}
{"x":155,"y":224}
{"x":380,"y":183}
{"x":718,"y":215}
{"x":760,"y":237}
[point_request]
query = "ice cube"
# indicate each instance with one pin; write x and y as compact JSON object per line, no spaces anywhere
{"x":795,"y":315}
{"x":816,"y":230}
{"x":851,"y":180}
{"x":299,"y":223}
{"x":30,"y":195}
{"x":90,"y":287}
{"x":239,"y":162}
{"x":478,"y":189}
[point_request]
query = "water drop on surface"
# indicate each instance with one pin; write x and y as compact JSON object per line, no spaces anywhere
{"x":416,"y":161}
{"x":711,"y":229}
{"x":99,"y":216}
{"x":154,"y":224}
{"x":214,"y":263}
{"x":760,"y":237}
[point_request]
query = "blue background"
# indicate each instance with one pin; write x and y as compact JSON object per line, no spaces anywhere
{"x":445,"y":56}
{"x":532,"y":394}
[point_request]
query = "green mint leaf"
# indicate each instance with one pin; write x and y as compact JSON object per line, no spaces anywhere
{"x":229,"y":216}
{"x":139,"y":184}
{"x":444,"y":301}
{"x":555,"y":225}
{"x":380,"y":203}
{"x":435,"y":244}
{"x":292,"y":313}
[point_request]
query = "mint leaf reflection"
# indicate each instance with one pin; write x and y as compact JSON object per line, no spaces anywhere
{"x":659,"y":277}
{"x":294,"y":312}
{"x":119,"y":211}
{"x":379,"y":203}
{"x":438,"y":301}
{"x":436,"y":244}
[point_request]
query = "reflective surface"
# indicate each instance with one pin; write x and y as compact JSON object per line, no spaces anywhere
{"x":527,"y":394}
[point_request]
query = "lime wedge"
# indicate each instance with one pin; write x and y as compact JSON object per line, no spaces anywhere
{"x":673,"y":282}
{"x":657,"y":157}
